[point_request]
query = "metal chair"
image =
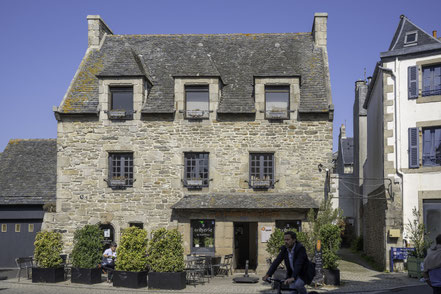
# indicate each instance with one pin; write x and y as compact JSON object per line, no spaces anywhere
{"x":24,"y":263}
{"x":226,"y":266}
{"x":195,"y":269}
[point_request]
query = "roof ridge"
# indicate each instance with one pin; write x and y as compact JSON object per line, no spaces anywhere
{"x":219,"y":34}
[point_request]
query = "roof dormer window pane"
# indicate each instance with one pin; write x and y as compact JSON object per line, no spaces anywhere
{"x":411,"y":38}
{"x":196,"y":102}
{"x":276,"y":102}
{"x":121,"y":102}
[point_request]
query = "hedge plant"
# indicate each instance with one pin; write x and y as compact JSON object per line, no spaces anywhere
{"x":276,"y":240}
{"x":131,"y":252}
{"x":88,"y":244}
{"x":330,"y":236}
{"x":418,"y":235}
{"x":165,"y":252}
{"x":48,"y":246}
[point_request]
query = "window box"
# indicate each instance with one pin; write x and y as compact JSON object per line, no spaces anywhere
{"x":194,"y":183}
{"x":277,"y":114}
{"x":261,"y":183}
{"x":196,"y":114}
{"x":117,"y":114}
{"x":117,"y":182}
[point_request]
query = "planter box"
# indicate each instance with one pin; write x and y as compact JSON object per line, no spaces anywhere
{"x":171,"y":281}
{"x":117,"y":114}
{"x":332,"y":276}
{"x":414,"y":267}
{"x":196,"y":114}
{"x":117,"y":183}
{"x":132,"y":280}
{"x":283,"y":114}
{"x":47,"y":275}
{"x":194,"y":183}
{"x":85,"y":275}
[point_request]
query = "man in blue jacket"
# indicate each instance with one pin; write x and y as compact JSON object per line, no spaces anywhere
{"x":296,"y":260}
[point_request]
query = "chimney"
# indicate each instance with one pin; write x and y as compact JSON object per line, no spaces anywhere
{"x":97,"y":29}
{"x":319,"y":29}
{"x":434,"y":34}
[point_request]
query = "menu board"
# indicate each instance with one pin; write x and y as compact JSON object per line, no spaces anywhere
{"x":265,"y":233}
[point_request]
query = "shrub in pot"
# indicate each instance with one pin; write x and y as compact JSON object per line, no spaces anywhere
{"x":131,"y":260}
{"x":48,"y":246}
{"x":418,"y":238}
{"x":330,"y":236}
{"x":86,"y":255}
{"x":166,"y":260}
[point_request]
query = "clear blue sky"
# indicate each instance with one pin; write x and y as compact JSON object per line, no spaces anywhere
{"x":43,"y":42}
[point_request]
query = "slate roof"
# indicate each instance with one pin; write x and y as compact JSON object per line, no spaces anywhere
{"x":347,"y":150}
{"x":246,"y":201}
{"x":28,"y":170}
{"x":235,"y":58}
{"x":425,"y":41}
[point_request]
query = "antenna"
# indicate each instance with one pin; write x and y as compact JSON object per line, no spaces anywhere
{"x":364,"y":77}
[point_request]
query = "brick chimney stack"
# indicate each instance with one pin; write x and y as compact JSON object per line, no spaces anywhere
{"x":320,"y":29}
{"x":97,"y":29}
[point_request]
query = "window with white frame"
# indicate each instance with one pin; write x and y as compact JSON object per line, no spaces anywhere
{"x":411,"y":38}
{"x":277,"y":102}
{"x":197,"y":101}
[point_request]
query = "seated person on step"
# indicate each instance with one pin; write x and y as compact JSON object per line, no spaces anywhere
{"x":108,"y":263}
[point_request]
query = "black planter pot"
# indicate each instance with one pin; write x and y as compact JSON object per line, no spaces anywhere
{"x":130,"y":279}
{"x":85,"y":275}
{"x":47,"y":275}
{"x":332,"y":276}
{"x":171,"y":281}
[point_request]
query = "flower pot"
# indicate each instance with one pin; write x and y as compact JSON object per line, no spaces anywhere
{"x":332,"y":276}
{"x":85,"y":275}
{"x":414,"y":267}
{"x":47,"y":275}
{"x":171,"y":281}
{"x":130,"y":279}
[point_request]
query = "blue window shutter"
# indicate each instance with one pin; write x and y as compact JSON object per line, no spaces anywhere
{"x":413,"y":148}
{"x":412,"y":75}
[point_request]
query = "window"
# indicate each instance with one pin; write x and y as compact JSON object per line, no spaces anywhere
{"x":196,"y":102}
{"x":196,"y":169}
{"x":138,"y":225}
{"x":202,"y":235}
{"x":17,"y":228}
{"x":432,"y":146}
{"x":30,"y":228}
{"x":411,"y":38}
{"x":121,"y":103}
{"x":277,"y":102}
{"x":4,"y":228}
{"x":289,"y":225}
{"x":261,"y":170}
{"x":120,"y":170}
{"x":431,"y":80}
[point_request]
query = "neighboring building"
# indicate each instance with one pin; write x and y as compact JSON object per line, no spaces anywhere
{"x":28,"y":171}
{"x":219,"y":136}
{"x":360,"y":145}
{"x":403,"y":168}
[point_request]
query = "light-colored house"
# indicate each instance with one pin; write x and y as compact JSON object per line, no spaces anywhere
{"x":403,"y":167}
{"x":219,"y":136}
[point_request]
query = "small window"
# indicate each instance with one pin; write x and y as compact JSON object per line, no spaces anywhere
{"x":202,"y":236}
{"x":4,"y":228}
{"x":431,"y":80}
{"x":121,"y":103}
{"x":17,"y":228}
{"x":30,"y":228}
{"x":120,"y":170}
{"x":432,"y":146}
{"x":261,"y":170}
{"x":196,"y":169}
{"x":411,"y":38}
{"x":277,"y":102}
{"x":138,"y":225}
{"x":197,"y":102}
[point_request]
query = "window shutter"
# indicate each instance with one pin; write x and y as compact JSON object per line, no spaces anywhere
{"x":413,"y":148}
{"x":412,"y":75}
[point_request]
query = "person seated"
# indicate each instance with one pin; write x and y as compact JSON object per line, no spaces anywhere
{"x":108,"y":263}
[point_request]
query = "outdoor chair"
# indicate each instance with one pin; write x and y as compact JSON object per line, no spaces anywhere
{"x":24,"y":263}
{"x":226,"y":268}
{"x":195,"y":269}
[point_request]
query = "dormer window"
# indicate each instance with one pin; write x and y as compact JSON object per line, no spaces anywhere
{"x":411,"y":38}
{"x":121,"y":103}
{"x":277,"y":102}
{"x":197,"y":102}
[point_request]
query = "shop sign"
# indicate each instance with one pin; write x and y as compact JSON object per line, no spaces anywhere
{"x":265,"y":233}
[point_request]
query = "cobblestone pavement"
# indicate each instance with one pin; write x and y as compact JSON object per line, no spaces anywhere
{"x":356,"y":277}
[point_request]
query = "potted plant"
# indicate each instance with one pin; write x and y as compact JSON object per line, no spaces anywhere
{"x":48,"y":246}
{"x":86,"y":255}
{"x":417,"y":236}
{"x":131,"y":260}
{"x":330,"y":236}
{"x":166,"y":260}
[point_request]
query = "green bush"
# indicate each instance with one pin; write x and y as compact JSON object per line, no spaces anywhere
{"x":357,"y":244}
{"x":418,"y":235}
{"x":131,"y":252}
{"x":165,"y":252}
{"x":88,"y":244}
{"x":330,"y":236}
{"x":48,"y":246}
{"x":275,"y":241}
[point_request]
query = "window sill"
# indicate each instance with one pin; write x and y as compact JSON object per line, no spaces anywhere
{"x":428,"y":99}
{"x":422,"y":169}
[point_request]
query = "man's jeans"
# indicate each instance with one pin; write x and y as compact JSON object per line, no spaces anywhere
{"x":299,"y":286}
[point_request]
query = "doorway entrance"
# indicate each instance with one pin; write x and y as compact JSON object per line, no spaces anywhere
{"x":245,"y":244}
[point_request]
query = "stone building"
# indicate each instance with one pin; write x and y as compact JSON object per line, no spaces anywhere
{"x":403,"y":166}
{"x":28,"y":171}
{"x":219,"y":136}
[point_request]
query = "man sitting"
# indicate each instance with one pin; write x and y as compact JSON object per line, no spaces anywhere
{"x":108,"y":263}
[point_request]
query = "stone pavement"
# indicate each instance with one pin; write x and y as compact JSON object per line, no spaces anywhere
{"x":356,"y":277}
